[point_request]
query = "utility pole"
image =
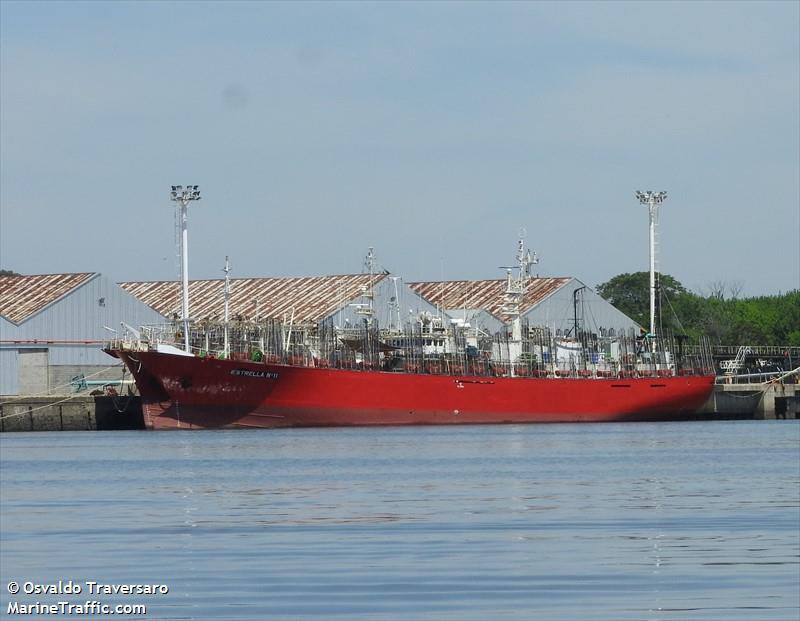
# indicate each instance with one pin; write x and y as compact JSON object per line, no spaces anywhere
{"x":653,"y":201}
{"x":227,"y":292}
{"x":182,"y":197}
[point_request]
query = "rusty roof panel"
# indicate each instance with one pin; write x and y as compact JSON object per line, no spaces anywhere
{"x":310,"y":298}
{"x":485,"y":294}
{"x":24,"y":296}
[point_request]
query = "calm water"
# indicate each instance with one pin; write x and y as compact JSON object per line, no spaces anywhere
{"x":563,"y":522}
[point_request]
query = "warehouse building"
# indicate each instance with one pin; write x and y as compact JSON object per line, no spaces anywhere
{"x":555,"y":304}
{"x":52,"y":330}
{"x":343,"y":300}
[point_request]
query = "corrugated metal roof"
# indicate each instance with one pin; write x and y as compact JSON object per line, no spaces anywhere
{"x":23,"y":296}
{"x":311,"y":298}
{"x":485,"y":294}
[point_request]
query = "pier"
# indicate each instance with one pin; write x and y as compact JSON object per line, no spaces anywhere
{"x":785,"y":356}
{"x":754,"y":401}
{"x":765,"y":395}
{"x":71,"y":413}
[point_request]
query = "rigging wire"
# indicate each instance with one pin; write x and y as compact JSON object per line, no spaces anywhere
{"x":52,"y":392}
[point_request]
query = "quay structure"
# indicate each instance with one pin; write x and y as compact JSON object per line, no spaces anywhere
{"x":747,"y":397}
{"x":759,"y":388}
{"x":74,"y":412}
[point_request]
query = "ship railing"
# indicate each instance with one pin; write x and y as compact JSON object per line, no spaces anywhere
{"x":408,"y":360}
{"x":749,"y":378}
{"x":145,"y":338}
{"x":322,"y":346}
{"x":488,"y":367}
{"x":126,"y":344}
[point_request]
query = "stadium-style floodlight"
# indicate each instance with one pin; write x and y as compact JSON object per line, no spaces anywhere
{"x":182,"y":197}
{"x":653,"y":201}
{"x":227,"y":292}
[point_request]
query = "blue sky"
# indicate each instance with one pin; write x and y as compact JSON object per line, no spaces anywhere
{"x":431,"y":131}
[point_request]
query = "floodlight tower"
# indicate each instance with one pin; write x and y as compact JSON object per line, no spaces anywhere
{"x":182,"y":197}
{"x":653,"y":201}
{"x":227,"y":270}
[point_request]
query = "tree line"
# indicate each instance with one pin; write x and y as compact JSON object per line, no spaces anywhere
{"x":721,"y":315}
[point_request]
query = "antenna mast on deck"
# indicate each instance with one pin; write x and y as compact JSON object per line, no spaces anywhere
{"x":514,"y":296}
{"x":365,"y":308}
{"x":182,"y":197}
{"x":515,"y":287}
{"x":394,"y":307}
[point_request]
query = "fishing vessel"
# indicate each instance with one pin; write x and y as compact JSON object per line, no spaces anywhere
{"x":191,"y":392}
{"x":432,"y":370}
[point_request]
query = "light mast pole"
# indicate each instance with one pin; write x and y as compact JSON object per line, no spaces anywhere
{"x":227,"y":270}
{"x":653,"y":201}
{"x":182,"y":197}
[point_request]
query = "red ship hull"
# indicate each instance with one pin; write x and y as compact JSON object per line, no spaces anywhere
{"x":187,"y":392}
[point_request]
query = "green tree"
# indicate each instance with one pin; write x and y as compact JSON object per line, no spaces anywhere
{"x":8,"y":273}
{"x":788,"y":323}
{"x":630,"y":293}
{"x":765,"y":320}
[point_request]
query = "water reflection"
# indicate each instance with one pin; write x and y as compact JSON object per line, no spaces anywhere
{"x":554,"y":522}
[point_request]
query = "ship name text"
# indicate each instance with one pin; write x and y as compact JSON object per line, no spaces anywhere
{"x":252,"y":373}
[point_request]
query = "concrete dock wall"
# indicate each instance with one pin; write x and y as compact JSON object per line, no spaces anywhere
{"x":756,"y":401}
{"x":779,"y":401}
{"x":70,"y":413}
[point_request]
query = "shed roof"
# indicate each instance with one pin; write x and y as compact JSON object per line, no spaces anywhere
{"x":485,"y":294}
{"x":24,"y":296}
{"x":311,"y":298}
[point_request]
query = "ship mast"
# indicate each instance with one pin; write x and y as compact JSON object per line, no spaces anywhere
{"x":182,"y":197}
{"x":394,"y":307}
{"x":514,"y":295}
{"x":653,"y":201}
{"x":366,"y":308}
